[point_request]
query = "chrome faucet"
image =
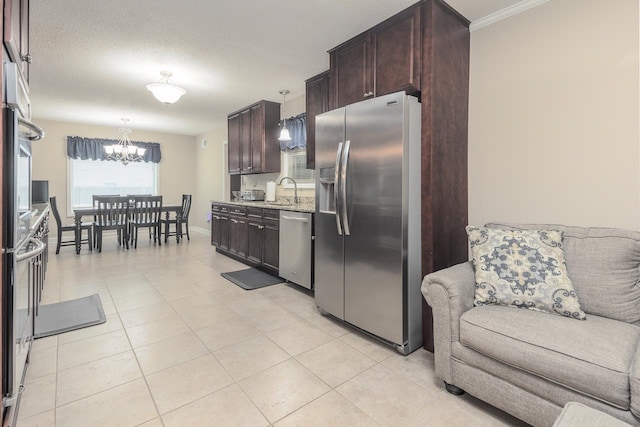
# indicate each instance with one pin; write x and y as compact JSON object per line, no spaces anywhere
{"x":295,"y":187}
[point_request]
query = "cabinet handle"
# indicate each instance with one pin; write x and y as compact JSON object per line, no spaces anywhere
{"x":260,"y":227}
{"x":216,"y":216}
{"x":234,"y":221}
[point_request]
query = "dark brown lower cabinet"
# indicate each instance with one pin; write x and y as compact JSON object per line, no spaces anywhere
{"x":224,"y":232}
{"x":215,"y":226}
{"x":271,"y":253}
{"x":255,"y":240}
{"x":251,"y":235}
{"x":238,"y":235}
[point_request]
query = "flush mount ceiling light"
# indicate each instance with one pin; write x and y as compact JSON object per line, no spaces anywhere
{"x":284,"y":132}
{"x":165,"y":91}
{"x":124,"y":150}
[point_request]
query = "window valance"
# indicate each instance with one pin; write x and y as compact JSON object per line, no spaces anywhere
{"x":93,"y":149}
{"x":297,"y":126}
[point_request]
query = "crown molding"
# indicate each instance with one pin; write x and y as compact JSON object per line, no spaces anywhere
{"x":505,"y":13}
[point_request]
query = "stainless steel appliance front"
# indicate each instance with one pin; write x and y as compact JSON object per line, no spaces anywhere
{"x":296,"y":247}
{"x":19,"y":250}
{"x":367,"y":247}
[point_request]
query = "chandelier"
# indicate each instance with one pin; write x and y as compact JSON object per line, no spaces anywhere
{"x":124,"y":151}
{"x":165,"y":91}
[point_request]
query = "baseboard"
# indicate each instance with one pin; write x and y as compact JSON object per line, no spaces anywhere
{"x":205,"y":231}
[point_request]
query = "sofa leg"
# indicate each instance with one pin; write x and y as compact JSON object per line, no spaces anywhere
{"x":456,"y":391}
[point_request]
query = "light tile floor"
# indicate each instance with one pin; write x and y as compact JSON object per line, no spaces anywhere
{"x":184,"y":347}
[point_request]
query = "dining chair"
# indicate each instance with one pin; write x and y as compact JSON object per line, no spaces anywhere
{"x":63,"y":228}
{"x":146,"y":212}
{"x":180,"y":221}
{"x":112,"y":215}
{"x":94,"y":203}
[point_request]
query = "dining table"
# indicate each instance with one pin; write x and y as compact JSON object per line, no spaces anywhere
{"x":78,"y":213}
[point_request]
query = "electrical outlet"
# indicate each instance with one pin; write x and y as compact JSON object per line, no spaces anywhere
{"x":203,"y":143}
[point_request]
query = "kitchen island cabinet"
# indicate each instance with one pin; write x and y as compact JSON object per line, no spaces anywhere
{"x":253,"y":139}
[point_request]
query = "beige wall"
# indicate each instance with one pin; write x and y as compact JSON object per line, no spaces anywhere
{"x":553,"y":119}
{"x":177,"y":175}
{"x":210,"y":171}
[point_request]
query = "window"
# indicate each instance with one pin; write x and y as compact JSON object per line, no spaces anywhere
{"x":295,"y":166}
{"x":89,"y":177}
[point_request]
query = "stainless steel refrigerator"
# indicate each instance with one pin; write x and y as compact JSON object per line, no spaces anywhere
{"x":367,"y":218}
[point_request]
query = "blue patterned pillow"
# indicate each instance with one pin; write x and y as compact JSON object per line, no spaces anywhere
{"x":524,"y":269}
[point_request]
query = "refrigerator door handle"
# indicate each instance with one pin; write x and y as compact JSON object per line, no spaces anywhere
{"x":343,"y":185}
{"x":336,"y":189}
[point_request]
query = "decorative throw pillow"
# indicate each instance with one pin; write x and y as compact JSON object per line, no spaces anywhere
{"x":524,"y":269}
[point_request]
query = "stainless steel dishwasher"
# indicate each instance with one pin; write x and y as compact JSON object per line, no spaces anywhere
{"x":296,"y":230}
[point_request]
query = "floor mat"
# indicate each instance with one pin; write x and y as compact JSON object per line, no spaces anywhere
{"x":251,"y":278}
{"x":65,"y":316}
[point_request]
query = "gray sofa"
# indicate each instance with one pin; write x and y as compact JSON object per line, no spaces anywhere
{"x":530,"y":363}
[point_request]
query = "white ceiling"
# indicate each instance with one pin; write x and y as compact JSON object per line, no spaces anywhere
{"x":93,"y":58}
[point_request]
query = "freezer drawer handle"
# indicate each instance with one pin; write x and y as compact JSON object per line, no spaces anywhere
{"x":336,"y":188}
{"x":40,"y":246}
{"x":292,"y":218}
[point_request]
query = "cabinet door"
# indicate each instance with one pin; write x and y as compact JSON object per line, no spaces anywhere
{"x":234,"y":145}
{"x":224,"y":232}
{"x":215,"y":229}
{"x":16,"y":34}
{"x":396,"y":53}
{"x":245,"y":141}
{"x":242,"y":238}
{"x":257,"y":138}
{"x":271,"y":252}
{"x":317,"y":98}
{"x":255,"y":240}
{"x":351,"y":71}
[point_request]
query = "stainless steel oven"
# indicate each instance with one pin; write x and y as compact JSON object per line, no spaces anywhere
{"x":20,"y":249}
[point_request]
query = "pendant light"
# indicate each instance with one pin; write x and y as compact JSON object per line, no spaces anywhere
{"x":165,"y":91}
{"x":284,"y":132}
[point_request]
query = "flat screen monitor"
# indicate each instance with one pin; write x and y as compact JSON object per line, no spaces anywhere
{"x":39,"y":192}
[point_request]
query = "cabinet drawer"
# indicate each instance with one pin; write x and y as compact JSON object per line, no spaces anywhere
{"x":273,"y":224}
{"x":224,"y":208}
{"x":254,"y":212}
{"x":238,"y":210}
{"x":215,"y":207}
{"x":271,"y":214}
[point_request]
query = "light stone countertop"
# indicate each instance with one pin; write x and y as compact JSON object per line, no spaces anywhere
{"x":306,"y":204}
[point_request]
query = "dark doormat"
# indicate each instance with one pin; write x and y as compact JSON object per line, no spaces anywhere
{"x":251,"y":278}
{"x":65,"y":316}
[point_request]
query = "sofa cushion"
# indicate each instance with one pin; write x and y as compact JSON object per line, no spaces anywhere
{"x":604,"y":267}
{"x":522,"y":269}
{"x":592,"y":357}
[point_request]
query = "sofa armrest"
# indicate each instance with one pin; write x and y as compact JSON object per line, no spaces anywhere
{"x":450,"y":293}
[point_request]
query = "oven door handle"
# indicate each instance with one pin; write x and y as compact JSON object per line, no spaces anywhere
{"x":39,"y":133}
{"x":40,"y":247}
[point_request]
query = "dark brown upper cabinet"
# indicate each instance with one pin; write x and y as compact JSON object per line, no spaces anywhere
{"x":396,"y":53}
{"x":351,"y":72}
{"x":253,"y":139}
{"x":16,"y":34}
{"x":317,"y":99}
{"x":383,"y":60}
